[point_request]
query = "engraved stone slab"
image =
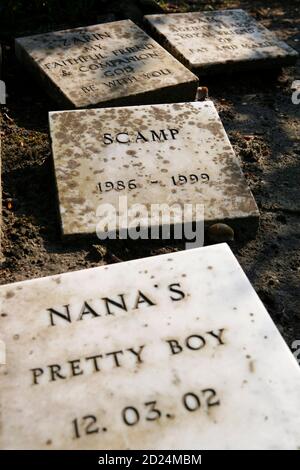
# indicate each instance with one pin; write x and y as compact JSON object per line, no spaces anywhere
{"x":107,"y":64}
{"x":172,"y":154}
{"x":220,"y":41}
{"x":2,"y":101}
{"x":180,"y":354}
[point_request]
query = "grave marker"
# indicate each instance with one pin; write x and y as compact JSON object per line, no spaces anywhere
{"x":108,"y":64}
{"x":171,"y":154}
{"x":180,"y":355}
{"x":220,"y":41}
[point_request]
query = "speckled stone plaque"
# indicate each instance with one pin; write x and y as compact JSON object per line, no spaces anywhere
{"x":172,"y":154}
{"x":180,"y":355}
{"x":220,"y":41}
{"x":108,"y":64}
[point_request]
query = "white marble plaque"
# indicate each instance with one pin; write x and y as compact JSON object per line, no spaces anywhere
{"x":179,"y":354}
{"x":108,"y":64}
{"x":220,"y":41}
{"x":171,"y":154}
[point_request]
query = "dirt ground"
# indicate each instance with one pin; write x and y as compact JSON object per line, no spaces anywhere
{"x":262,"y":123}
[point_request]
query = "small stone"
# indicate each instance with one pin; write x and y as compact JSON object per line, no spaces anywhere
{"x":220,"y":233}
{"x":10,"y":204}
{"x":100,"y":251}
{"x":202,"y":93}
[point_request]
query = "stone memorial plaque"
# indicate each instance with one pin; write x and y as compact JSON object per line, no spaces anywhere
{"x":170,"y":154}
{"x":107,"y":64}
{"x":181,"y":354}
{"x":220,"y":41}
